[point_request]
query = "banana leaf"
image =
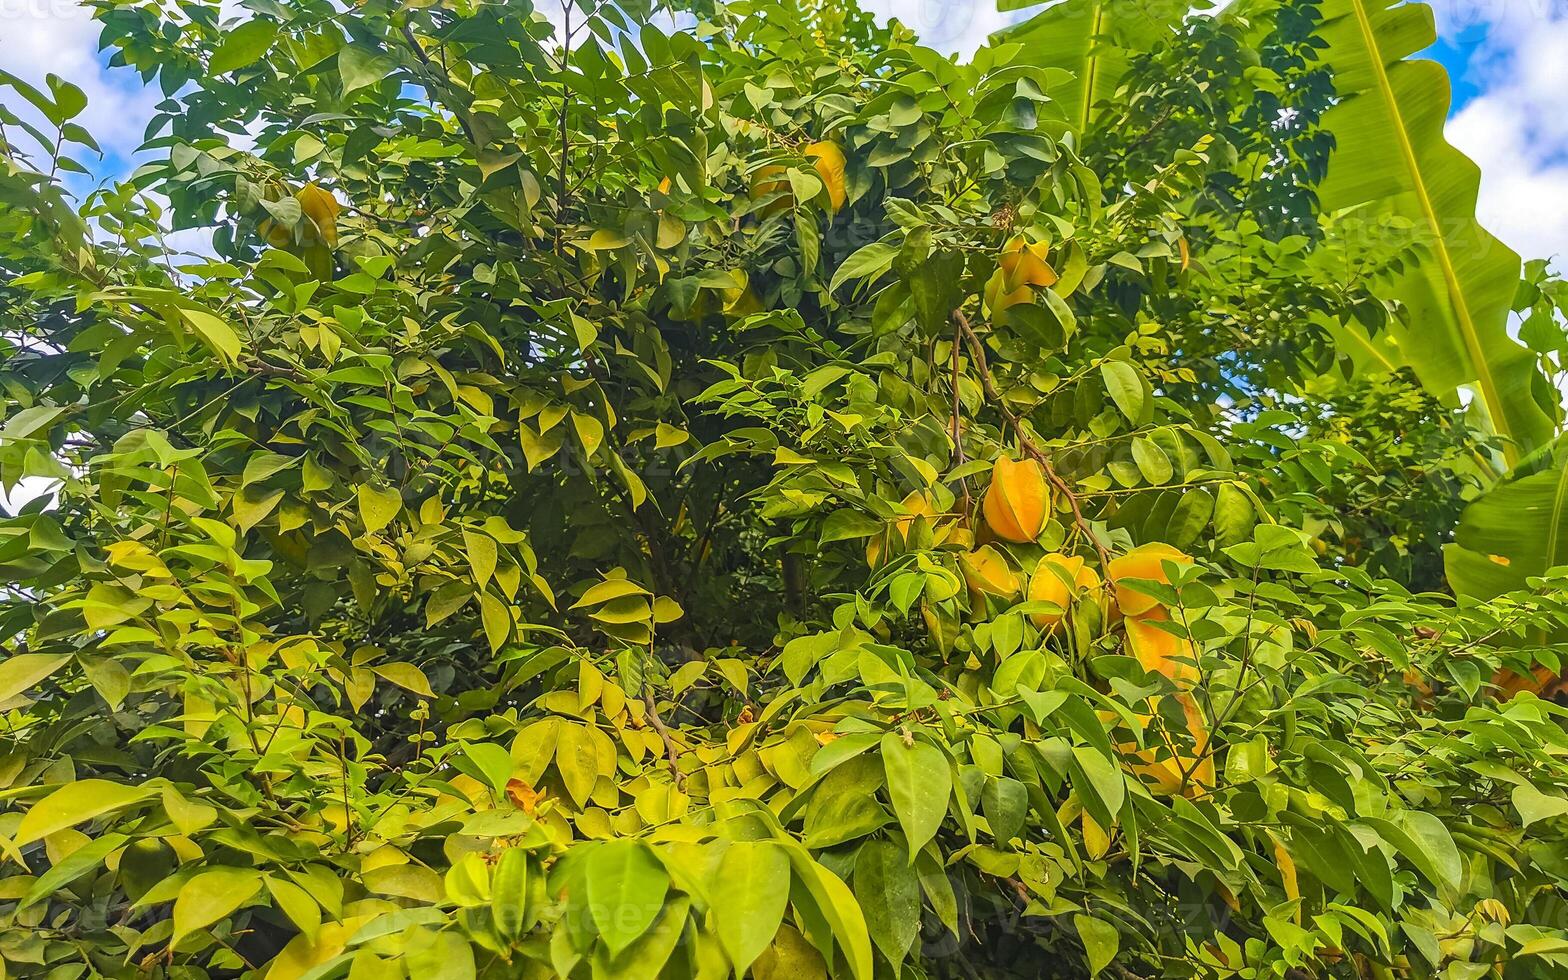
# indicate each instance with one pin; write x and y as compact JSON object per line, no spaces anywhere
{"x":1391,"y":159}
{"x":1092,"y":39}
{"x":1516,"y":530}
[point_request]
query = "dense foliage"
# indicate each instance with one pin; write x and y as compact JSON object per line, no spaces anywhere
{"x":625,"y":501}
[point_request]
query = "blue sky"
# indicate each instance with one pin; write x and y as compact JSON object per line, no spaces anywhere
{"x":1508,"y":60}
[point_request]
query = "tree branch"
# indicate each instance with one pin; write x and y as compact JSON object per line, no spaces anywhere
{"x":1025,"y":441}
{"x":434,"y":69}
{"x":671,"y":748}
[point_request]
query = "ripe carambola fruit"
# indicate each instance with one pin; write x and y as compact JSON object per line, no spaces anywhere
{"x":1159,"y":651}
{"x":829,"y":162}
{"x":315,"y":203}
{"x":322,"y":209}
{"x":917,"y":504}
{"x":766,"y":182}
{"x":1021,"y":266}
{"x":1018,"y":500}
{"x":1145,"y":562}
{"x":826,"y":158}
{"x":1059,"y":579}
{"x":987,"y":572}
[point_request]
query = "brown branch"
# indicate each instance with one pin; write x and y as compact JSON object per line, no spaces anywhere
{"x":671,"y":747}
{"x":434,"y":69}
{"x":566,"y":105}
{"x":958,"y":442}
{"x":1025,"y":442}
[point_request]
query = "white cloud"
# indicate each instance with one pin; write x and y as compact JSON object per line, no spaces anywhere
{"x":60,"y":37}
{"x":1515,"y":128}
{"x":948,"y":26}
{"x":1524,"y":181}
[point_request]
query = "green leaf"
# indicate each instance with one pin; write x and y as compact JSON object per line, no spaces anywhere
{"x":1152,"y":461}
{"x":262,"y":466}
{"x":1100,"y":941}
{"x":578,"y":762}
{"x":1534,"y":805}
{"x":1423,"y":841}
{"x":626,"y":890}
{"x":445,"y":601}
{"x":1104,"y":788}
{"x":69,"y":99}
{"x":39,"y":101}
{"x":359,"y":66}
{"x":748,"y":896}
{"x":214,"y":332}
{"x":1514,"y":531}
{"x":919,"y":782}
{"x":406,"y":676}
{"x":844,"y":804}
{"x":1005,"y":802}
{"x":378,"y":506}
{"x":210,"y":897}
{"x":75,"y":803}
{"x":836,"y":904}
{"x":590,"y":432}
{"x":867,"y":262}
{"x":493,"y":761}
{"x":938,"y":888}
{"x":935,"y":283}
{"x":444,"y":955}
{"x":28,"y":421}
{"x":297,"y":904}
{"x":1234,"y":515}
{"x":1126,"y":388}
{"x":509,"y":902}
{"x":243,"y":46}
{"x":538,"y":448}
{"x":77,"y":863}
{"x":1391,"y":155}
{"x":22,"y":671}
{"x":845,"y":524}
{"x":889,"y":891}
{"x":481,"y":552}
{"x":1095,"y":41}
{"x":646,"y":957}
{"x":468,"y":882}
{"x":497,"y":618}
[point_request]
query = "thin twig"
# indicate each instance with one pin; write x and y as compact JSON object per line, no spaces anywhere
{"x":434,"y":69}
{"x":671,"y":748}
{"x":566,"y":105}
{"x":958,"y":442}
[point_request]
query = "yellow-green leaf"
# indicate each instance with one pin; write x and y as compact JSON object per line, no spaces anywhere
{"x":481,"y":556}
{"x":626,"y":890}
{"x":22,"y":671}
{"x":497,"y":617}
{"x":211,"y":896}
{"x":748,"y":897}
{"x":76,"y":803}
{"x":378,"y":506}
{"x":406,"y":676}
{"x":214,"y":332}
